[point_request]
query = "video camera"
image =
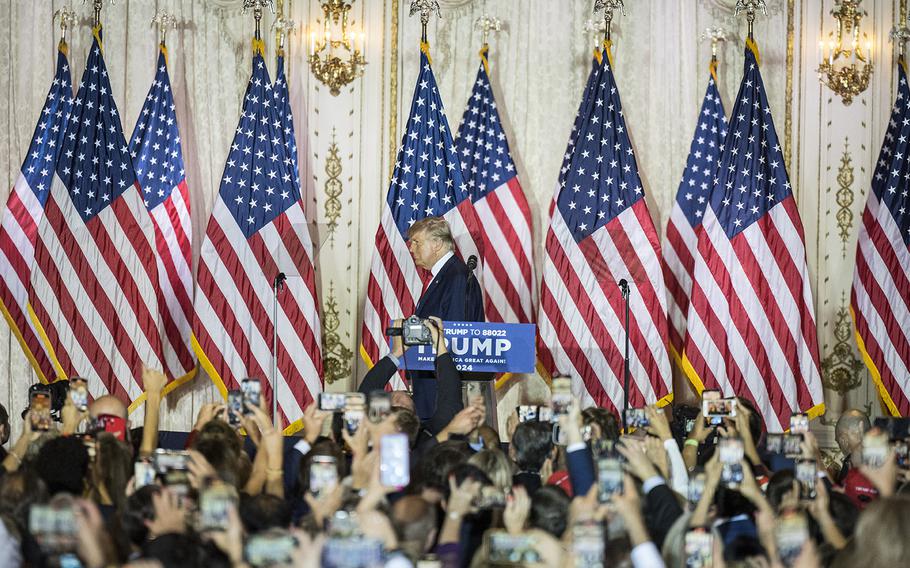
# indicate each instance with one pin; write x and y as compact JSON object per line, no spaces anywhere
{"x":413,"y":331}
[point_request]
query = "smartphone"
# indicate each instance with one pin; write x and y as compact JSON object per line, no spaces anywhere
{"x":343,"y":524}
{"x":544,"y":414}
{"x":561,"y":395}
{"x":588,"y":544}
{"x":699,"y":548}
{"x":791,"y":533}
{"x":235,"y":407}
{"x":792,"y":445}
{"x":731,"y":450}
{"x":394,"y":460}
{"x":696,"y":488}
{"x":143,"y":474}
{"x":270,"y":548}
{"x":799,"y":423}
{"x":489,"y":498}
{"x":609,"y":479}
{"x":806,"y":474}
{"x":709,"y":403}
{"x":353,"y":418}
{"x":636,"y":418}
{"x":332,"y":401}
{"x":323,"y":475}
{"x":511,"y":550}
{"x":79,"y":393}
{"x":252,"y":392}
{"x":379,"y":405}
{"x":774,"y":443}
{"x":347,"y":552}
{"x":526,"y":413}
{"x":558,"y":435}
{"x":731,"y":454}
{"x":168,"y":460}
{"x":215,"y":504}
{"x":40,"y":407}
{"x":875,"y":448}
{"x":54,"y":526}
{"x":900,"y":454}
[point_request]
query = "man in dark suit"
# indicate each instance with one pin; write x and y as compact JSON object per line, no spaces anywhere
{"x":453,"y":294}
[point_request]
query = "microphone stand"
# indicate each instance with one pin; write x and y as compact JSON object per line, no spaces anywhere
{"x":277,"y":286}
{"x":624,"y":289}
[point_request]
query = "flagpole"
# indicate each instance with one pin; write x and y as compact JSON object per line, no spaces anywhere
{"x":425,"y":8}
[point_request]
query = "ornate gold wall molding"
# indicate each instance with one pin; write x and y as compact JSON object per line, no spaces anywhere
{"x":333,"y":186}
{"x":393,"y":90}
{"x":336,"y":357}
{"x":845,"y":197}
{"x":842,"y":371}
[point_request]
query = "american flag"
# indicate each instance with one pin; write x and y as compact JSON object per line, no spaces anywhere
{"x":426,"y":182}
{"x":681,"y":243}
{"x":501,"y":206}
{"x":158,"y":161}
{"x":94,"y":285}
{"x":257,"y":230}
{"x":24,"y":210}
{"x":601,"y":232}
{"x":590,"y":87}
{"x":751,"y":322}
{"x":881,"y":283}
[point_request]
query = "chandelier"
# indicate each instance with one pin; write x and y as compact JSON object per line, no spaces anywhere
{"x":336,"y":59}
{"x":846,"y":64}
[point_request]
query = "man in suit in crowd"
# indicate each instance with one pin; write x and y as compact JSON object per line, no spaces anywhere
{"x":453,"y":294}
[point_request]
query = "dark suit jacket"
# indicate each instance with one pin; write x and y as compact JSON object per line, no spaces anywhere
{"x":660,"y":511}
{"x":582,"y":473}
{"x":453,"y":295}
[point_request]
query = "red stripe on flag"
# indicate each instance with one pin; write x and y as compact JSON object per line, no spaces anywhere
{"x":222,"y":307}
{"x":574,"y":352}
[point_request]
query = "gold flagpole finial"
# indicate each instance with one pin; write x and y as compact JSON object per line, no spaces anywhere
{"x":716,"y":35}
{"x":609,"y":7}
{"x":257,"y":6}
{"x":283,"y":27}
{"x":68,"y":20}
{"x":899,"y":35}
{"x":487,"y":24}
{"x":163,"y":20}
{"x":750,"y":7}
{"x":425,"y":8}
{"x":96,"y":8}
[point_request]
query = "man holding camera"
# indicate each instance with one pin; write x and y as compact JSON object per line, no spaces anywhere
{"x":453,"y":294}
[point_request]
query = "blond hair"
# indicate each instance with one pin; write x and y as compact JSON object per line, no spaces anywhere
{"x":496,"y":465}
{"x":434,"y":228}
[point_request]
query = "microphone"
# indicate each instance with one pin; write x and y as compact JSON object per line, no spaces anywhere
{"x":472,"y":262}
{"x":279,"y":280}
{"x":624,"y":287}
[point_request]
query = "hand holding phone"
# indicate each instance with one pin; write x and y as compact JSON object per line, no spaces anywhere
{"x":215,"y":505}
{"x":78,"y":393}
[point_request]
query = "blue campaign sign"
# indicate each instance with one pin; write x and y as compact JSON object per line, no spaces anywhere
{"x":481,"y":347}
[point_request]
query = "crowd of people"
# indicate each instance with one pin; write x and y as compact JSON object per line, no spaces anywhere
{"x":570,"y":488}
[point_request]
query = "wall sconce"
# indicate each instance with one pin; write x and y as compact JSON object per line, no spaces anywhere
{"x":336,"y":58}
{"x":846,"y":63}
